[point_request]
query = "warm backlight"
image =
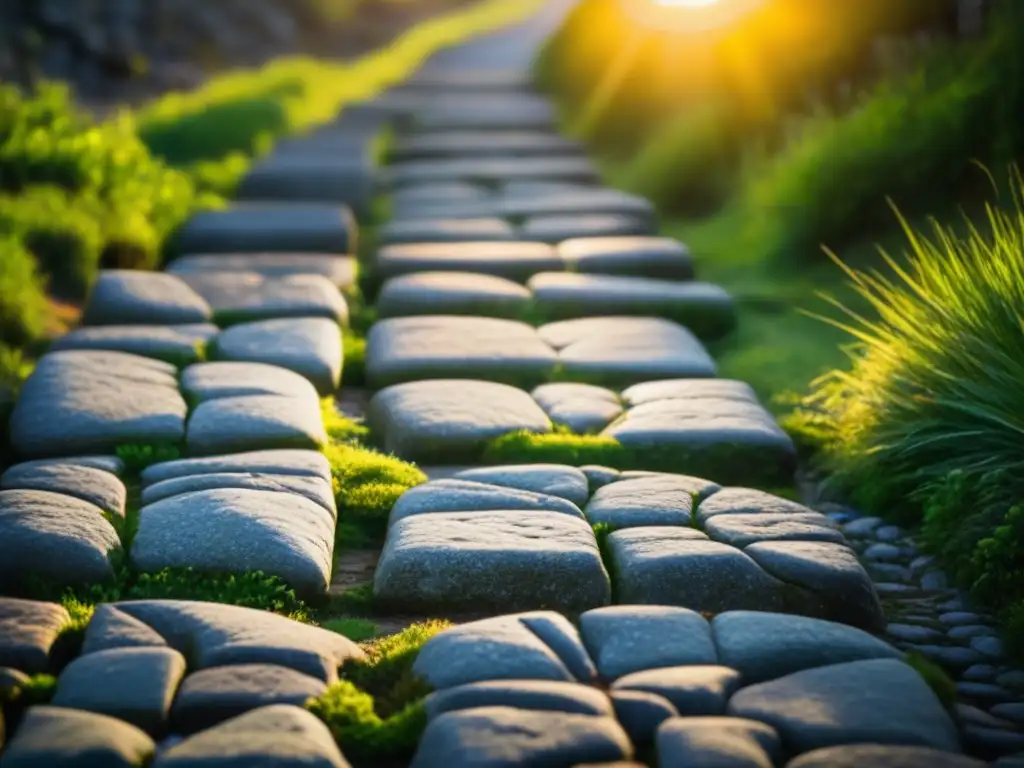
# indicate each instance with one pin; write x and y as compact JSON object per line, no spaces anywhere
{"x":689,"y":14}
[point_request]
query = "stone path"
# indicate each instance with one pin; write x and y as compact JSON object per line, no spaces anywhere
{"x":677,"y":610}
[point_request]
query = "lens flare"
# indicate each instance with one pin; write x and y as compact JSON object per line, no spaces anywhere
{"x":689,"y":15}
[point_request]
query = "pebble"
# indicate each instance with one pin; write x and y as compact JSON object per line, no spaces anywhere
{"x":959,"y":618}
{"x":889,"y":533}
{"x":882,"y":552}
{"x":980,"y":673}
{"x":1012,"y":711}
{"x":988,"y":646}
{"x":949,"y":655}
{"x":969,"y":715}
{"x":863,"y":526}
{"x":889,"y":572}
{"x":913,"y":634}
{"x":887,"y":589}
{"x":970,"y":631}
{"x":984,"y":691}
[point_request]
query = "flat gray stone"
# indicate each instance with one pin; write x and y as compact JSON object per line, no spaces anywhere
{"x":568,"y":483}
{"x":583,"y":408}
{"x":747,"y":502}
{"x":66,"y":738}
{"x":230,"y":424}
{"x":278,"y":736}
{"x":705,"y":309}
{"x":658,"y":257}
{"x":496,"y":737}
{"x":718,"y":742}
{"x":442,"y":230}
{"x":404,"y":349}
{"x":831,"y":571}
{"x":314,"y":488}
{"x":111,"y":628}
{"x":290,"y":173}
{"x":480,"y":143}
{"x":175,"y":344}
{"x":533,"y":695}
{"x":681,"y":566}
{"x":743,"y":530}
{"x":627,"y":639}
{"x":574,"y":202}
{"x":509,"y":560}
{"x":764,"y":646}
{"x":135,"y":685}
{"x":692,"y":690}
{"x":239,"y":530}
{"x":309,"y":346}
{"x":658,"y":500}
{"x":688,"y":389}
{"x":880,"y":701}
{"x":492,"y":170}
{"x":340,"y":270}
{"x":454,"y":495}
{"x":698,"y":486}
{"x":501,"y":648}
{"x":99,"y":488}
{"x":516,"y":261}
{"x":452,"y":293}
{"x":559,"y":227}
{"x":626,"y":350}
{"x":135,"y":297}
{"x":240,"y":297}
{"x":453,"y":112}
{"x":209,"y":381}
{"x":28,"y":630}
{"x":111,"y":464}
{"x":448,"y":419}
{"x":270,"y":228}
{"x":282,"y":462}
{"x":215,"y":635}
{"x":641,"y":713}
{"x":60,"y":540}
{"x":211,"y":696}
{"x":87,"y":401}
{"x":444,"y":193}
{"x":598,"y":476}
{"x":877,"y":756}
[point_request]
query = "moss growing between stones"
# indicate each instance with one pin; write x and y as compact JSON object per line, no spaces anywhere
{"x":357,"y":630}
{"x":559,"y":447}
{"x":340,"y":428}
{"x":354,"y":367}
{"x":138,"y":456}
{"x":936,"y":678}
{"x":601,"y":532}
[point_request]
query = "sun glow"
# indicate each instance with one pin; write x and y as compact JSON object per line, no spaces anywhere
{"x":696,"y":15}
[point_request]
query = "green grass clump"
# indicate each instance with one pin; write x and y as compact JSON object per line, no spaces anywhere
{"x":137,"y":456}
{"x":368,"y":483}
{"x":25,"y":310}
{"x":558,"y":447}
{"x":356,"y":630}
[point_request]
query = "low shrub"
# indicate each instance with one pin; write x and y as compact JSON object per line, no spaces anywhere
{"x":25,"y":310}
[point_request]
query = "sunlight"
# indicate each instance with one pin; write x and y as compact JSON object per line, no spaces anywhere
{"x":696,"y":15}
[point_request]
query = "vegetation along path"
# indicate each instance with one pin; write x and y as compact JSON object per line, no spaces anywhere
{"x":212,"y":457}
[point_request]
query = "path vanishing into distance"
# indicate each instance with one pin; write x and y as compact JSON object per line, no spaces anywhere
{"x":673,"y":606}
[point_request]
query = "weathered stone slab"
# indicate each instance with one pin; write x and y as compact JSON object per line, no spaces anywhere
{"x":858,"y":755}
{"x":281,"y":462}
{"x":442,"y":230}
{"x":405,"y":349}
{"x":239,"y":530}
{"x":270,"y":228}
{"x":452,"y":293}
{"x":485,"y":560}
{"x":747,"y":501}
{"x":444,"y":193}
{"x":135,"y":685}
{"x":880,"y":701}
{"x":239,"y":297}
{"x":570,"y":204}
{"x":86,"y":401}
{"x":718,"y":741}
{"x":131,"y":297}
{"x":641,"y":714}
{"x":583,"y":408}
{"x":533,"y":695}
{"x":315,"y":176}
{"x":696,"y":690}
{"x":54,"y":538}
{"x":229,"y":424}
{"x":492,"y":170}
{"x":765,"y":646}
{"x":111,"y":628}
{"x":554,"y":229}
{"x":627,"y":350}
{"x":516,"y":261}
{"x":568,"y":483}
{"x":705,"y":309}
{"x":210,"y":381}
{"x":211,"y":696}
{"x":175,"y":344}
{"x":644,"y":501}
{"x":480,"y":144}
{"x":688,"y":389}
{"x":309,"y":346}
{"x":65,"y":738}
{"x":340,"y":270}
{"x":655,"y":257}
{"x":28,"y":630}
{"x":502,"y":736}
{"x":744,"y":530}
{"x":215,"y":635}
{"x":281,"y":735}
{"x":453,"y":495}
{"x":316,"y":489}
{"x":627,"y":639}
{"x":449,"y":419}
{"x":495,"y":112}
{"x":100,"y":488}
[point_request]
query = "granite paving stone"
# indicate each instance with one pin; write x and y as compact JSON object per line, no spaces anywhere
{"x":340,"y":270}
{"x":743,"y":530}
{"x":229,"y":424}
{"x":646,"y":501}
{"x":452,"y":293}
{"x":857,"y":755}
{"x":655,"y":257}
{"x":56,"y":737}
{"x":209,"y":381}
{"x":517,"y":261}
{"x":239,"y":297}
{"x":583,"y":408}
{"x":578,"y":202}
{"x":314,"y":488}
{"x":111,"y":628}
{"x":270,"y":228}
{"x":443,"y":193}
{"x":498,"y":112}
{"x":692,"y":690}
{"x":280,"y":462}
{"x":566,"y":482}
{"x":556,"y":228}
{"x":641,"y":713}
{"x":472,"y":143}
{"x":28,"y":630}
{"x":442,"y":230}
{"x":490,"y":170}
{"x":175,"y":344}
{"x":96,"y":486}
{"x":130,"y":297}
{"x":308,"y":175}
{"x":457,"y":495}
{"x":746,"y":502}
{"x":534,"y":695}
{"x":718,"y":742}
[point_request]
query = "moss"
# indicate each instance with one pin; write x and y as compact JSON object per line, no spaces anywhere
{"x":357,"y":630}
{"x":138,"y":456}
{"x":601,"y":532}
{"x":354,"y":368}
{"x":340,"y":428}
{"x":941,"y":684}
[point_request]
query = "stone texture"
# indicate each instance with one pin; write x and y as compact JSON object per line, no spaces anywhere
{"x":743,"y":530}
{"x":28,"y":630}
{"x":407,"y":349}
{"x":746,"y":502}
{"x":692,"y":690}
{"x":271,"y":228}
{"x":86,"y":401}
{"x":131,"y":297}
{"x":627,"y":639}
{"x":399,"y":231}
{"x":60,"y":540}
{"x":516,"y":261}
{"x":314,"y":488}
{"x":718,"y":742}
{"x":281,"y":462}
{"x":641,"y":713}
{"x":454,"y":495}
{"x":99,"y":488}
{"x":239,"y":530}
{"x":175,"y":344}
{"x":533,"y":695}
{"x":211,"y":696}
{"x":111,"y":628}
{"x":209,"y":381}
{"x":135,"y":685}
{"x":646,"y":501}
{"x":568,"y":483}
{"x":688,"y":389}
{"x":491,"y":170}
{"x":238,"y":297}
{"x":583,"y":408}
{"x":449,"y":419}
{"x":452,"y":293}
{"x":514,"y":560}
{"x":309,"y":346}
{"x":229,"y":424}
{"x":462,"y":143}
{"x":559,"y":227}
{"x":657,"y":257}
{"x":571,"y":203}
{"x":340,"y":270}
{"x":308,"y":175}
{"x":857,"y":755}
{"x":880,"y":701}
{"x":65,"y":738}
